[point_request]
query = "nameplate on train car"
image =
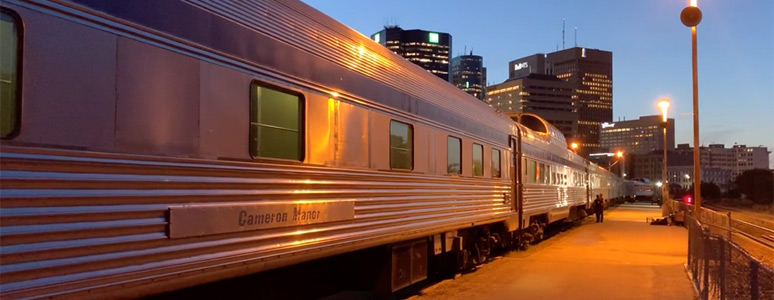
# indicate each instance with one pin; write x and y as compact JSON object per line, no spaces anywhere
{"x":206,"y":219}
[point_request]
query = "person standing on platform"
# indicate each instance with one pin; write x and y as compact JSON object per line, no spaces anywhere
{"x":598,"y":208}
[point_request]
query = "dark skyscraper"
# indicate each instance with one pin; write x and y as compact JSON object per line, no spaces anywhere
{"x":468,"y":74}
{"x":427,"y":49}
{"x":590,"y":74}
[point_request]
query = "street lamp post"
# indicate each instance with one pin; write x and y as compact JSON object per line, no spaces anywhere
{"x":620,"y":156}
{"x":691,"y":16}
{"x":664,"y":105}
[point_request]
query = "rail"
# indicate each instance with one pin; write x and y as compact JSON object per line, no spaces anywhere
{"x":725,"y":222}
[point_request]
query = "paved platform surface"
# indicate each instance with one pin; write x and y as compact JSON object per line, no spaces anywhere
{"x":622,"y":258}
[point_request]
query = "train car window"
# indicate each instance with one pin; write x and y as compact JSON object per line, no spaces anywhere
{"x":453,"y":155}
{"x":543,"y":174}
{"x":401,"y":146}
{"x":496,"y":164}
{"x":532,"y":171}
{"x":276,"y":123}
{"x":478,"y":160}
{"x":10,"y":54}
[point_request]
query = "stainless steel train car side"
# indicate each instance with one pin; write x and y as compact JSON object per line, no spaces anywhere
{"x":132,"y":173}
{"x":139,"y":160}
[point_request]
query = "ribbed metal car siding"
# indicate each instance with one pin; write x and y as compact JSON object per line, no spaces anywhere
{"x":302,"y":26}
{"x":68,"y":216}
{"x":539,"y":199}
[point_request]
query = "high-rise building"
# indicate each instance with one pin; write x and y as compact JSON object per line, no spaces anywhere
{"x":543,"y":95}
{"x":427,"y":49}
{"x":468,"y":74}
{"x":590,"y":74}
{"x":637,"y":136}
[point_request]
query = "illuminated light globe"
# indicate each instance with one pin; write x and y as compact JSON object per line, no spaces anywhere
{"x":690,"y":16}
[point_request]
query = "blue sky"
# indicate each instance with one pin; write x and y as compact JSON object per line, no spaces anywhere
{"x":651,"y":51}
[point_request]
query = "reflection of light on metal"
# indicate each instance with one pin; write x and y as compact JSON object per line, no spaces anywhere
{"x":303,"y":192}
{"x":334,"y":94}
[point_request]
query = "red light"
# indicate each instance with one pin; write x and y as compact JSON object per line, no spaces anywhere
{"x":688,"y":199}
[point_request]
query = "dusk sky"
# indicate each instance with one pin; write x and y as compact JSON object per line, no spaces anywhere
{"x":651,"y":51}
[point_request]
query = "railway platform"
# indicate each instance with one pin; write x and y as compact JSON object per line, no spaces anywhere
{"x":622,"y":258}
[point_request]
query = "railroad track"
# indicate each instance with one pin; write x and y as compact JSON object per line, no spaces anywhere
{"x":750,"y":225}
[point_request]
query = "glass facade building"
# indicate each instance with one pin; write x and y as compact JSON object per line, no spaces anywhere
{"x":468,"y":74}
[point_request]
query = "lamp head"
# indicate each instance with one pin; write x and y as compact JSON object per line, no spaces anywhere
{"x":664,"y":105}
{"x":690,"y":16}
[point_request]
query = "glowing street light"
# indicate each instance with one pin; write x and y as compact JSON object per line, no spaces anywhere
{"x":664,"y":105}
{"x":574,"y":146}
{"x":691,"y":16}
{"x":622,"y":159}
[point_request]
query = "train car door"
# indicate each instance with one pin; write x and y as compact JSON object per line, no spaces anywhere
{"x":516,"y":173}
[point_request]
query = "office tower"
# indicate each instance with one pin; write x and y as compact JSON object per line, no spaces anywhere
{"x":468,"y":74}
{"x":427,"y":49}
{"x":543,"y":95}
{"x":590,"y":74}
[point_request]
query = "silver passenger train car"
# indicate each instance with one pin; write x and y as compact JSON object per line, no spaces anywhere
{"x":153,"y":145}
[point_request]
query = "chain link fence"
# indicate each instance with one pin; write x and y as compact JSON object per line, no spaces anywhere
{"x":719,"y":268}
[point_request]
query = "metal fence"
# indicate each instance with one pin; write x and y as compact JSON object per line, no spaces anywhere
{"x":720,"y":269}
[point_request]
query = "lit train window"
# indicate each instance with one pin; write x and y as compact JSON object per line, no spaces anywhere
{"x":276,"y":123}
{"x":543,"y":174}
{"x":532,"y":172}
{"x":453,"y":155}
{"x":478,"y":160}
{"x":496,"y":164}
{"x":10,"y":39}
{"x":401,"y":146}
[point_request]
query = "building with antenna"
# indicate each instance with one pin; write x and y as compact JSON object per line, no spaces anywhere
{"x":427,"y":49}
{"x":468,"y":74}
{"x":590,"y":75}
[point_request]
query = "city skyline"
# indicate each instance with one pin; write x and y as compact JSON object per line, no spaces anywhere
{"x":651,"y":52}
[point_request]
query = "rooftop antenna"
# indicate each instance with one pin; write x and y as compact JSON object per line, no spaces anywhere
{"x":562,"y":33}
{"x":576,"y":36}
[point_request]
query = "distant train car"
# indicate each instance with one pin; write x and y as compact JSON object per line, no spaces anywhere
{"x":643,"y":189}
{"x":149,"y":147}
